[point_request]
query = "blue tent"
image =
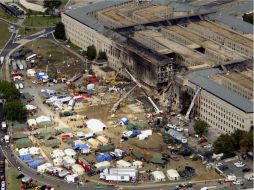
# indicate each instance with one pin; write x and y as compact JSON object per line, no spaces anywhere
{"x":135,"y":133}
{"x":36,"y":163}
{"x":26,"y":157}
{"x":80,"y":146}
{"x":103,"y":157}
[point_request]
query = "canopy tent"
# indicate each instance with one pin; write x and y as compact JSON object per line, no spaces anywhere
{"x":103,"y":140}
{"x":138,"y":155}
{"x":156,"y":160}
{"x":158,"y":176}
{"x":43,"y":121}
{"x":173,"y":175}
{"x":106,"y":148}
{"x":52,"y":143}
{"x":19,"y":136}
{"x":95,"y":125}
{"x":23,"y":143}
{"x":31,"y":122}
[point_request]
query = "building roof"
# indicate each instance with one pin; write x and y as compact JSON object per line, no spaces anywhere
{"x":106,"y":69}
{"x":201,"y":79}
{"x":225,"y":16}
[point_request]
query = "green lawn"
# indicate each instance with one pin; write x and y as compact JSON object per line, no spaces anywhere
{"x":5,"y":34}
{"x":11,"y":181}
{"x":35,"y":24}
{"x":7,"y":16}
{"x":41,"y":21}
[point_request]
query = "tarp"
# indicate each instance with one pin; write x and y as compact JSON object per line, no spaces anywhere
{"x":137,"y":154}
{"x":26,"y":157}
{"x":156,"y":160}
{"x":80,"y":146}
{"x":106,"y":148}
{"x":23,"y":143}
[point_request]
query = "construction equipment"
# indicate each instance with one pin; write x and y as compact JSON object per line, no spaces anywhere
{"x":192,"y":103}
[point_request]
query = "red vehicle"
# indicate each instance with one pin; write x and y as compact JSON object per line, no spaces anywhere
{"x":15,"y":74}
{"x":202,"y":140}
{"x":86,"y":165}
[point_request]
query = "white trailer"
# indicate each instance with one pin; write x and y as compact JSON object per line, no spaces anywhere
{"x":24,"y":64}
{"x":17,"y":86}
{"x":116,"y":177}
{"x":20,"y":66}
{"x":1,"y":60}
{"x":7,"y":138}
{"x":14,"y":65}
{"x":71,"y":104}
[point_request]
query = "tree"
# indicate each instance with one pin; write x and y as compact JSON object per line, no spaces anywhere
{"x":237,"y":137}
{"x":91,"y":52}
{"x":14,"y":110}
{"x":59,"y":32}
{"x":248,"y":18}
{"x":50,"y":5}
{"x":102,"y":56}
{"x":246,"y":143}
{"x":8,"y":90}
{"x":223,"y":144}
{"x":201,"y":127}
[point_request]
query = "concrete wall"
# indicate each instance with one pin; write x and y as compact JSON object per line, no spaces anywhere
{"x":32,"y":6}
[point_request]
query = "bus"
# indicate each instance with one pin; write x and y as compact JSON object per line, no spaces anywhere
{"x":29,"y":58}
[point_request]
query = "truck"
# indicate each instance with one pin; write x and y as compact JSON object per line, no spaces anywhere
{"x":4,"y":125}
{"x":20,"y":65}
{"x":7,"y":138}
{"x":1,"y":60}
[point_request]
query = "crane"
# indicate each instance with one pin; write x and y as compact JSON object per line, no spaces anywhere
{"x":192,"y":103}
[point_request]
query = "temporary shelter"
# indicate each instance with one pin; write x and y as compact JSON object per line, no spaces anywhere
{"x":132,"y":172}
{"x":30,"y":72}
{"x":34,"y":150}
{"x":103,"y":139}
{"x":30,"y":107}
{"x":42,"y":168}
{"x":156,"y":160}
{"x":124,"y":121}
{"x":68,"y":162}
{"x":78,"y":142}
{"x":23,"y":151}
{"x":137,"y":155}
{"x":43,"y":120}
{"x":173,"y":175}
{"x":95,"y":125}
{"x":70,"y":152}
{"x":23,"y":143}
{"x":19,"y":136}
{"x":137,"y":164}
{"x":31,"y":122}
{"x":106,"y":148}
{"x":102,"y":165}
{"x":93,"y":143}
{"x":52,"y":143}
{"x":123,"y":164}
{"x":103,"y":157}
{"x":58,"y":162}
{"x":42,"y":75}
{"x":71,"y":178}
{"x":158,"y":176}
{"x":78,"y":169}
{"x":36,"y":162}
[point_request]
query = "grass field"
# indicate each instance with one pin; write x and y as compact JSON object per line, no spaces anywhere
{"x":11,"y":181}
{"x":37,"y":23}
{"x":7,"y":16}
{"x":41,"y":21}
{"x":5,"y":34}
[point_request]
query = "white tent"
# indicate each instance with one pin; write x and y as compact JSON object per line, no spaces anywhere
{"x":34,"y":150}
{"x":31,"y":122}
{"x":158,"y":176}
{"x":78,"y":169}
{"x":30,"y":72}
{"x":78,"y":142}
{"x":173,"y":175}
{"x":42,"y":168}
{"x":30,"y":107}
{"x":95,"y":125}
{"x":103,"y":140}
{"x":70,"y":152}
{"x":23,"y":151}
{"x":123,"y":164}
{"x":57,"y":153}
{"x":68,"y":162}
{"x":137,"y":164}
{"x":93,"y":143}
{"x":42,"y":119}
{"x":58,"y":162}
{"x":102,"y":165}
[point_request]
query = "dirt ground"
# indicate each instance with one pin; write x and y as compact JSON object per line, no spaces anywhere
{"x":60,"y":62}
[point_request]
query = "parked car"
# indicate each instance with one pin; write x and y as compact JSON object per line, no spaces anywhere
{"x":239,"y":164}
{"x":219,"y":164}
{"x":246,"y":169}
